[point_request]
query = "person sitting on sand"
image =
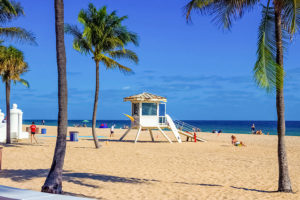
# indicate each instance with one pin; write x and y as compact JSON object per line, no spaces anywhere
{"x":259,"y":132}
{"x":33,"y":129}
{"x":235,"y":142}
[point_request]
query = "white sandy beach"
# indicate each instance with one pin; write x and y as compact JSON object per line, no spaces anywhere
{"x":160,"y":170}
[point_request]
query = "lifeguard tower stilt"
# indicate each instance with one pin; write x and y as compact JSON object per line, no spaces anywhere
{"x":149,"y":112}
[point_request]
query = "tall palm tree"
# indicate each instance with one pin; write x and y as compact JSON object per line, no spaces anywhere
{"x":10,"y":10}
{"x":105,"y":38}
{"x":53,"y":183}
{"x":12,"y":67}
{"x":278,"y":22}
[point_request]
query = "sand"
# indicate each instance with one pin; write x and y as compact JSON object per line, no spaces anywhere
{"x":160,"y":170}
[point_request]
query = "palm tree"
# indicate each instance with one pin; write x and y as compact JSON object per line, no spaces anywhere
{"x":10,"y":10}
{"x":12,"y":66}
{"x":278,"y":23}
{"x":53,"y":183}
{"x":105,"y":38}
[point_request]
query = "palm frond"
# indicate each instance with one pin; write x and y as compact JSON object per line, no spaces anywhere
{"x":79,"y":43}
{"x":196,"y":5}
{"x":103,"y":34}
{"x":124,"y":53}
{"x":24,"y":82}
{"x":19,"y":34}
{"x":112,"y":64}
{"x":266,"y":67}
{"x":9,"y":11}
{"x":224,"y":12}
{"x":291,"y":16}
{"x":12,"y":63}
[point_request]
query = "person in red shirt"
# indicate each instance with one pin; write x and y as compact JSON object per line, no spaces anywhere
{"x":33,"y":129}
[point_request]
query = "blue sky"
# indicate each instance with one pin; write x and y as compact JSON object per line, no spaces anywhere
{"x":205,"y":72}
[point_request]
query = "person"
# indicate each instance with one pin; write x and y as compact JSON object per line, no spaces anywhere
{"x":235,"y":142}
{"x":112,"y":129}
{"x":32,"y":130}
{"x":253,"y":129}
{"x":43,"y":122}
{"x":219,"y":132}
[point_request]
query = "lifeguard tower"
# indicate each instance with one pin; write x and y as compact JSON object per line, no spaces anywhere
{"x":149,"y":112}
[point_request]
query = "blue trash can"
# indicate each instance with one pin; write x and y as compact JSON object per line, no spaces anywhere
{"x":44,"y":131}
{"x":74,"y":136}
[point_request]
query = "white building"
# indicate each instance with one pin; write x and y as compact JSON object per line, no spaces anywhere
{"x":16,"y":122}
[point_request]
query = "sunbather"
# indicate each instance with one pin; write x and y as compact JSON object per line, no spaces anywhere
{"x":235,"y":142}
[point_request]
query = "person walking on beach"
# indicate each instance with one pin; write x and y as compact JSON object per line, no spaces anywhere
{"x":33,"y":129}
{"x":253,"y":129}
{"x":112,"y":130}
{"x":43,"y":122}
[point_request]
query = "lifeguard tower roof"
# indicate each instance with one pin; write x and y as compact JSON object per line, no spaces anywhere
{"x":146,"y":97}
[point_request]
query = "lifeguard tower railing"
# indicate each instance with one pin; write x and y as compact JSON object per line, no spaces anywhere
{"x":183,"y":126}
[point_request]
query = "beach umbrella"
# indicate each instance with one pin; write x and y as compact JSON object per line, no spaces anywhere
{"x":85,"y":121}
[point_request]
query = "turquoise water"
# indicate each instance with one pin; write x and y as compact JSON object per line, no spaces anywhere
{"x":227,"y":126}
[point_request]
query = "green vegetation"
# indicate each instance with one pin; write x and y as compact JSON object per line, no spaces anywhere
{"x":12,"y":66}
{"x":278,"y":23}
{"x":10,"y":10}
{"x":105,"y":38}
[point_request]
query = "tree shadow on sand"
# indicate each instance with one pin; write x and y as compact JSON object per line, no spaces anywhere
{"x":20,"y":144}
{"x":19,"y":175}
{"x":78,"y":195}
{"x":253,"y":190}
{"x":201,"y":184}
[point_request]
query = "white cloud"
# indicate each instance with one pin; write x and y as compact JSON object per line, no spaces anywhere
{"x":126,"y":88}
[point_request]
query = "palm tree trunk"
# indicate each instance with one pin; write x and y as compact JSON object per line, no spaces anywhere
{"x":95,"y":107}
{"x":284,"y":183}
{"x":53,"y":183}
{"x":7,"y":86}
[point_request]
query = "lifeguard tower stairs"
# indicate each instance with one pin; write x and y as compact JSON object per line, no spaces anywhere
{"x":187,"y":130}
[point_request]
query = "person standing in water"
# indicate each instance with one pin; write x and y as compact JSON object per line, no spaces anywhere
{"x":33,"y":129}
{"x":253,"y":129}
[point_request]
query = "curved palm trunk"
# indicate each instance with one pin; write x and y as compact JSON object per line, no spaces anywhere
{"x":95,"y":107}
{"x":7,"y":87}
{"x":284,"y":183}
{"x":53,"y":183}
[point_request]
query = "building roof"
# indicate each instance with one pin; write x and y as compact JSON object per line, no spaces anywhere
{"x":145,"y":97}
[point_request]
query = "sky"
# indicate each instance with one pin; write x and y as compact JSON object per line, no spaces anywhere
{"x":205,"y":72}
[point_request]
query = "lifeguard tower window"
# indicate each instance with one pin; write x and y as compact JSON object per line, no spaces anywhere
{"x":149,"y":109}
{"x":135,"y":109}
{"x":162,"y":109}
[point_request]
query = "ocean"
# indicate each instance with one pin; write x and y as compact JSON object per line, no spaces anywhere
{"x":227,"y":126}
